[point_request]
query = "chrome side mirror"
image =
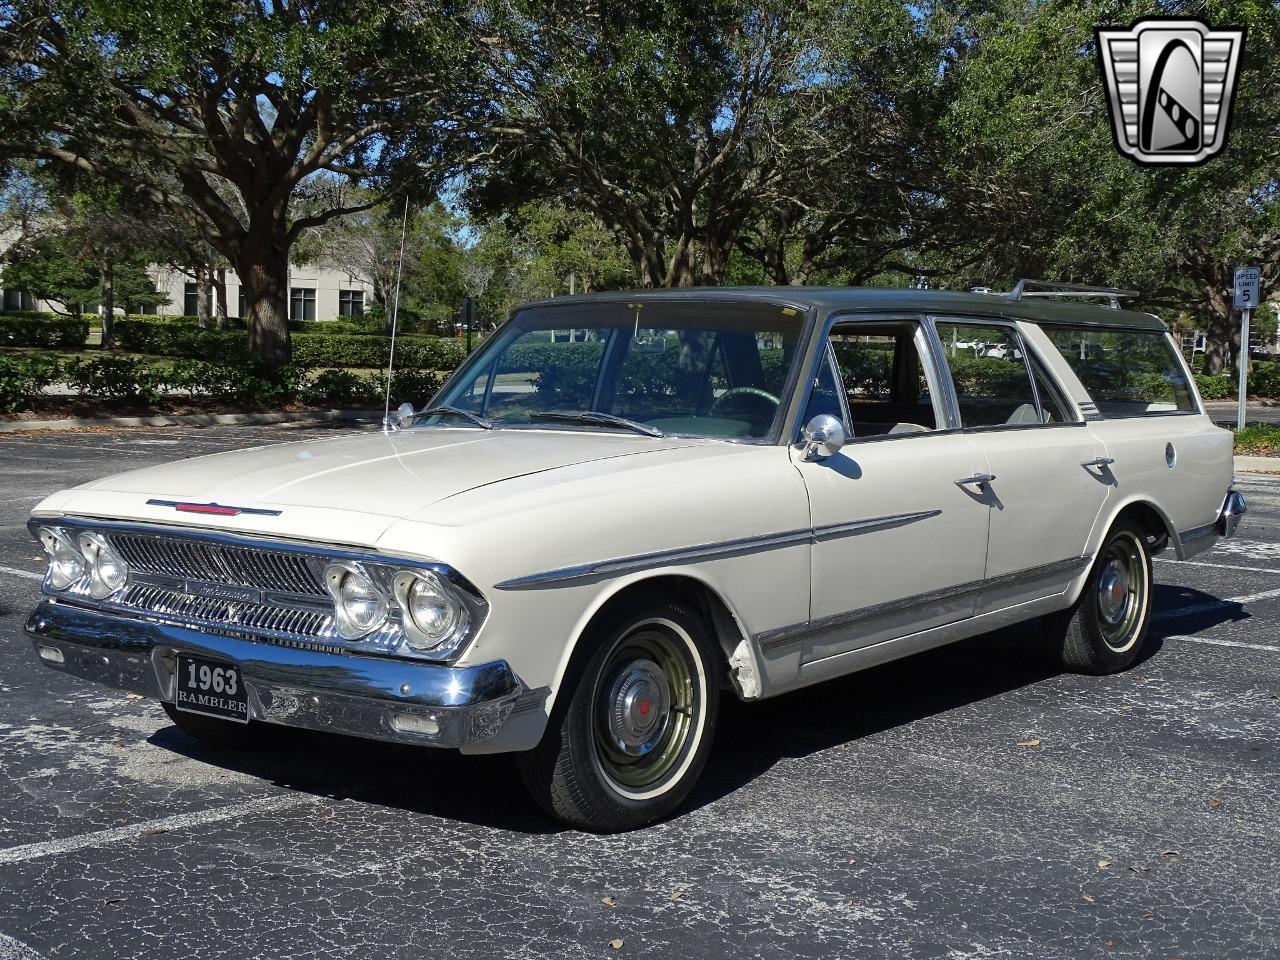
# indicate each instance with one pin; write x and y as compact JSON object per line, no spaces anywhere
{"x":403,"y":417}
{"x":823,"y":437}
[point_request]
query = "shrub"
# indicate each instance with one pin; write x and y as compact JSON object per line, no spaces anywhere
{"x":166,"y":339}
{"x":363,"y":350}
{"x":23,"y":378}
{"x":116,"y":378}
{"x":342,"y":388}
{"x":1264,"y":378}
{"x":234,"y":380}
{"x":43,"y":330}
{"x":1215,"y":386}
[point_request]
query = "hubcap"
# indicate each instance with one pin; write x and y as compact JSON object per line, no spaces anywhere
{"x":641,"y":701}
{"x":1122,"y":592}
{"x":646,"y":700}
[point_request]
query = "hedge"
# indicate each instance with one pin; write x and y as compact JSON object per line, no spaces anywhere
{"x":46,"y":330}
{"x":22,"y":379}
{"x":366,"y":327}
{"x":1215,"y":386}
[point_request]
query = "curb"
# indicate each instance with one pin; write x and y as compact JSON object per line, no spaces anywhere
{"x":1257,"y":464}
{"x":190,"y":420}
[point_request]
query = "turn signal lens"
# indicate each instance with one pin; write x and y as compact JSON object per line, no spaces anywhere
{"x":359,"y":606}
{"x":108,"y":574}
{"x":66,"y":565}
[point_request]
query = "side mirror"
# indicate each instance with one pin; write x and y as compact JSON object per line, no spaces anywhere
{"x":405,"y":413}
{"x":823,"y":436}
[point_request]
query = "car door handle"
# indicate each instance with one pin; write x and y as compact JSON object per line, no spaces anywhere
{"x":977,"y":479}
{"x":1098,"y":462}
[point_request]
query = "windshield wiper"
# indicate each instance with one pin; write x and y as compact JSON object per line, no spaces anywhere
{"x":475,"y":418}
{"x":603,"y":419}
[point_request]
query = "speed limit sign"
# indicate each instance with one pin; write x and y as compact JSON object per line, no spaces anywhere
{"x":1248,"y":287}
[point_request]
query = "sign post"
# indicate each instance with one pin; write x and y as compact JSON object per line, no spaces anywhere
{"x":1248,"y":291}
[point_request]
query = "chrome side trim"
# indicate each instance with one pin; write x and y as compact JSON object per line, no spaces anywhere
{"x":710,"y":551}
{"x":1198,"y":533}
{"x":836,"y":621}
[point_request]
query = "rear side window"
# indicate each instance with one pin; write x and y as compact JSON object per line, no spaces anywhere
{"x":990,"y":375}
{"x":1128,"y":373}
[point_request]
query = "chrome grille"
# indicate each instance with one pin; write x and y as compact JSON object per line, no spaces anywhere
{"x":256,"y":617}
{"x":219,"y":563}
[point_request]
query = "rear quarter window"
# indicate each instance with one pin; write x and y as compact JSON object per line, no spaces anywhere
{"x":1128,"y":373}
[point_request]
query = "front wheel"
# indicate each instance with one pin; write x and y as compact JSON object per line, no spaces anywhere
{"x":629,"y":739}
{"x":1104,"y":630}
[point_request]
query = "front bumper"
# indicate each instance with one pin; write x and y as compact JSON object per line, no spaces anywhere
{"x":480,"y":709}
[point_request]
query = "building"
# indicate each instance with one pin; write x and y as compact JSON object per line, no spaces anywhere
{"x":315,"y":293}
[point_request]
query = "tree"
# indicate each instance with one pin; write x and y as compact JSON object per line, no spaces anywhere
{"x":224,"y":110}
{"x":1037,"y":189}
{"x":679,"y":124}
{"x":60,"y":267}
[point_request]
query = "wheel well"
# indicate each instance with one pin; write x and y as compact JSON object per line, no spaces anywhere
{"x":736,"y":664}
{"x":1149,"y":519}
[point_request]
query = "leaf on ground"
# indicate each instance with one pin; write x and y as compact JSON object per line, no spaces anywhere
{"x":1170,"y":854}
{"x":615,"y":944}
{"x":153,"y":832}
{"x":609,"y":901}
{"x":114,"y":900}
{"x":1087,"y":898}
{"x":133,"y":696}
{"x":678,"y":895}
{"x":1029,"y":743}
{"x":1103,"y":864}
{"x":1215,"y":803}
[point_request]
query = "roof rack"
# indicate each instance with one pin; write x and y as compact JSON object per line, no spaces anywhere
{"x":1053,"y":288}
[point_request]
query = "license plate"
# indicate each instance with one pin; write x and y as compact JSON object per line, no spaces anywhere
{"x":212,"y":688}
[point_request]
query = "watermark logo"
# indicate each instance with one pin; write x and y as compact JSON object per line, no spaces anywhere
{"x":1170,"y":83}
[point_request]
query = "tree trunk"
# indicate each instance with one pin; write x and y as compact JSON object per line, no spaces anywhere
{"x":203,"y":316}
{"x":107,"y":300}
{"x":1223,"y":332}
{"x":263,"y":267}
{"x":220,"y":295}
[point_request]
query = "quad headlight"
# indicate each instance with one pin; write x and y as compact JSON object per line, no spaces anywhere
{"x":433,"y":612}
{"x":66,"y":565}
{"x":359,"y":604}
{"x":108,"y":574}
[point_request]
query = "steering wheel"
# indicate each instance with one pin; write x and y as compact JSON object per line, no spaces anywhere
{"x":755,"y":392}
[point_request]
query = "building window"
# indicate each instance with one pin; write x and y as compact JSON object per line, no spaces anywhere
{"x":240,"y":303}
{"x":351,"y":303}
{"x":302,"y":303}
{"x":191,"y":299}
{"x":13,"y":298}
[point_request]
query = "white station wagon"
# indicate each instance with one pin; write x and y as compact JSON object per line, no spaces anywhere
{"x":625,"y":507}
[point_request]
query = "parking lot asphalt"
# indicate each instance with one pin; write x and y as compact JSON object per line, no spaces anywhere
{"x":970,"y":802}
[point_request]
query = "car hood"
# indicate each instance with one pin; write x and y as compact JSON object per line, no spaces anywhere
{"x":375,"y":475}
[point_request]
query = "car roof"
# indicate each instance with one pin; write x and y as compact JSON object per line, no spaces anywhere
{"x":829,"y":300}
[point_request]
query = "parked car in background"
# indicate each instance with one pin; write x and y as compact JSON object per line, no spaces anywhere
{"x":586,"y":541}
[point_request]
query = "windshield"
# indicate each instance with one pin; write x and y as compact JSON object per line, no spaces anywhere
{"x":692,"y":369}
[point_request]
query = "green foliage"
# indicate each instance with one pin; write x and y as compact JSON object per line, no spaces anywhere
{"x":178,"y":339}
{"x":323,"y":350}
{"x":116,"y":378}
{"x":1215,"y":386}
{"x":1259,"y":439}
{"x":1264,"y":379}
{"x":342,"y":389}
{"x":43,"y":330}
{"x":23,"y":378}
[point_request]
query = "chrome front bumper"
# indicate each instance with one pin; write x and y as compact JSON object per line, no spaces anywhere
{"x":480,"y":709}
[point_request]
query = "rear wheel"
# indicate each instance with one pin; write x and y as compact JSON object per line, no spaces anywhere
{"x":629,"y":739}
{"x":1105,"y":629}
{"x":215,"y":732}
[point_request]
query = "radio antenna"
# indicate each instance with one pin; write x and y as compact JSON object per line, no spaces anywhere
{"x":387,"y":425}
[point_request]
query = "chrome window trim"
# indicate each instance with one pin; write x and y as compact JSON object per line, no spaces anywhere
{"x":701,"y":553}
{"x":796,"y":632}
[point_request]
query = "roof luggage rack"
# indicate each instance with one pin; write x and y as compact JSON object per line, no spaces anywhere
{"x":1052,"y":288}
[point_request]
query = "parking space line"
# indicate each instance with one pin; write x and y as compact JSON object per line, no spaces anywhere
{"x":13,"y":949}
{"x":1215,"y":605}
{"x":1212,"y":641}
{"x":28,"y":574}
{"x":181,"y":821}
{"x":1219,"y":566}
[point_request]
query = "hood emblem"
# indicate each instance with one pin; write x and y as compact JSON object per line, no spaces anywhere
{"x":212,"y":509}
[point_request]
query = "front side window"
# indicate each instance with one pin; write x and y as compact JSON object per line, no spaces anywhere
{"x":692,"y":369}
{"x":992,"y":383}
{"x":883,"y":377}
{"x":1128,"y":373}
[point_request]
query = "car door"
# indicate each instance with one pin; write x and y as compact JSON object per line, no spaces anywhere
{"x":899,"y":545}
{"x":1049,"y":474}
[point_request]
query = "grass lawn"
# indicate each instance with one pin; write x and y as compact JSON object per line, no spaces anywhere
{"x":1259,"y":440}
